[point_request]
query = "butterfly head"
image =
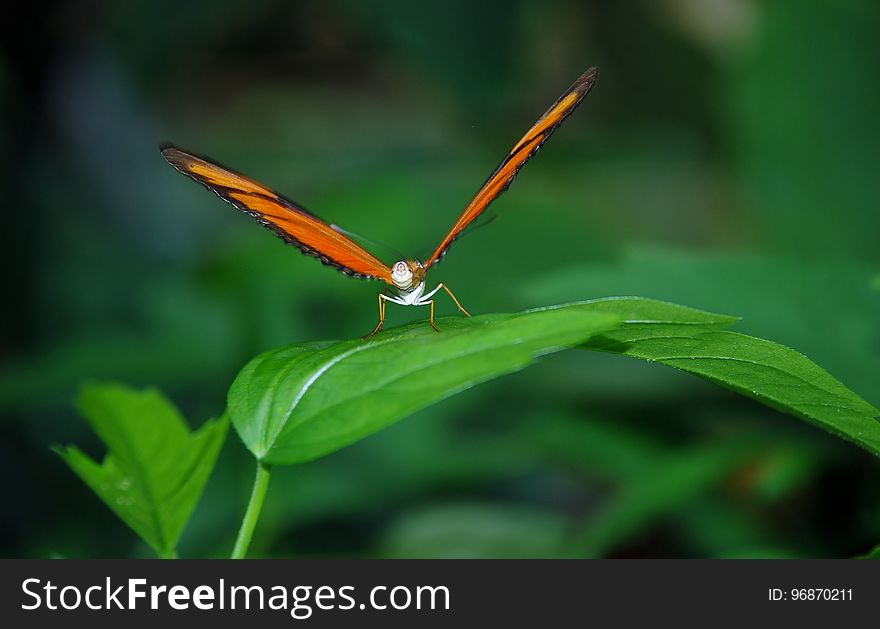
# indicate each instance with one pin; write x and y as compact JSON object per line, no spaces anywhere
{"x":407,"y":274}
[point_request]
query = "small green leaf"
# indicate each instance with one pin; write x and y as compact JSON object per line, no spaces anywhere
{"x":297,"y":403}
{"x":768,"y":372}
{"x":155,"y":468}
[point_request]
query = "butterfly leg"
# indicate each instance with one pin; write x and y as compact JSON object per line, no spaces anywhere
{"x":381,"y":299}
{"x":457,"y":304}
{"x":431,"y":317}
{"x":427,"y":300}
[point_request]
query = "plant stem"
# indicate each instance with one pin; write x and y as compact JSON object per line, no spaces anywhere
{"x":261,"y":484}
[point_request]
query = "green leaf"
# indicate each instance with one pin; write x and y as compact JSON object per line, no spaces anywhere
{"x":768,"y":372}
{"x":155,"y":468}
{"x":300,"y":402}
{"x":822,"y":307}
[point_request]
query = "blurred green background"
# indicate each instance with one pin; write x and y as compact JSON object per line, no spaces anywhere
{"x":726,"y":160}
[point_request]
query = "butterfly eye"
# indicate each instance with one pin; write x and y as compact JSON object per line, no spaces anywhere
{"x":400,"y":268}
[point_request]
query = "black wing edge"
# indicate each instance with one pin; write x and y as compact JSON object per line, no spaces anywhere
{"x":584,"y":84}
{"x":292,"y":205}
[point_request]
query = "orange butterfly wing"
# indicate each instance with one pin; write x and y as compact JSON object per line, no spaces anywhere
{"x":293,"y":224}
{"x":503,"y":176}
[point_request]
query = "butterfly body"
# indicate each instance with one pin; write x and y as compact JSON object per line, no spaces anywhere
{"x":332,"y":247}
{"x":412,"y":297}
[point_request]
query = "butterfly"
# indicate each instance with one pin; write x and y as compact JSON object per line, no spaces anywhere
{"x":333,"y":247}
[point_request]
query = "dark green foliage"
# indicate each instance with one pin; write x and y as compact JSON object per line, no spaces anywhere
{"x":726,"y":161}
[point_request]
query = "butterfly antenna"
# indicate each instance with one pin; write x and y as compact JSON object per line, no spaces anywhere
{"x":482,"y":221}
{"x":362,"y":240}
